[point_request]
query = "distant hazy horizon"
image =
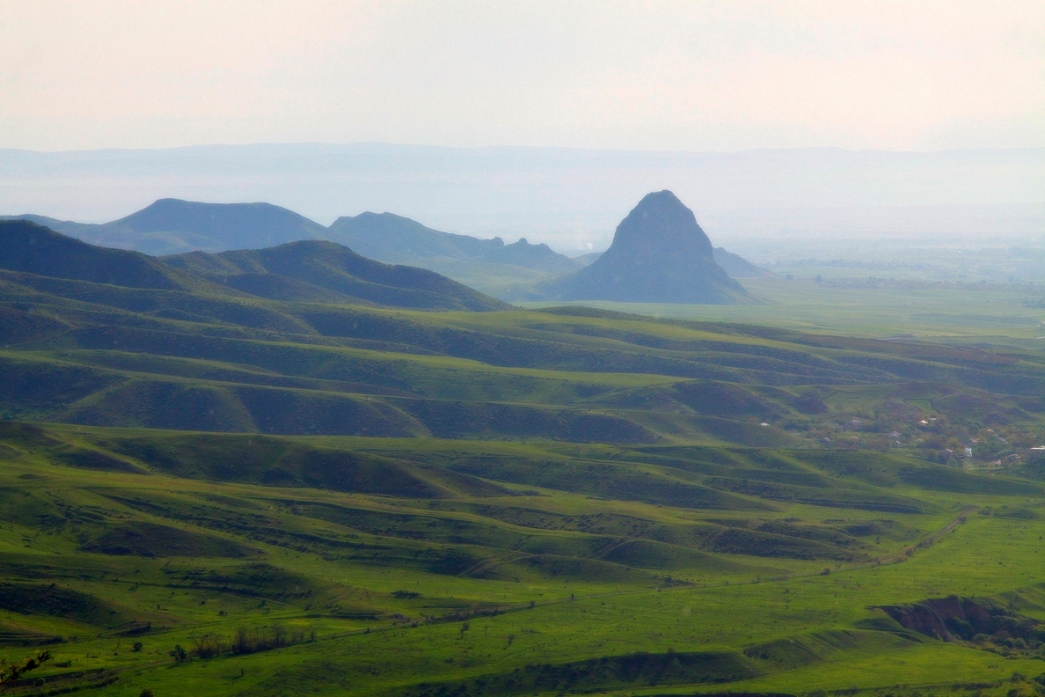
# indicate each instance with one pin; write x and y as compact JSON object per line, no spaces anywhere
{"x":570,"y":198}
{"x":774,"y":121}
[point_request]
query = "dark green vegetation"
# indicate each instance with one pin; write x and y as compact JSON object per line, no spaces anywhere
{"x":659,"y":255}
{"x":315,"y":271}
{"x":209,"y":489}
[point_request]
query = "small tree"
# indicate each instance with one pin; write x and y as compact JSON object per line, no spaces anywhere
{"x":241,"y":642}
{"x":11,"y":673}
{"x":279,"y":635}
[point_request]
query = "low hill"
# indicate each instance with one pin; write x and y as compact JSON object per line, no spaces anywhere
{"x":173,"y":226}
{"x":185,"y":225}
{"x":197,"y":479}
{"x":66,"y":227}
{"x":539,"y":257}
{"x":397,"y":240}
{"x":326,"y":271}
{"x":737,"y":266}
{"x":659,"y":254}
{"x":586,"y":259}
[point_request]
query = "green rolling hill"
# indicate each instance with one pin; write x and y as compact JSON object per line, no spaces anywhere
{"x":299,"y":471}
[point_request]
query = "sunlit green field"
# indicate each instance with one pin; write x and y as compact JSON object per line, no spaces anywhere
{"x":531,"y":584}
{"x":1002,"y":315}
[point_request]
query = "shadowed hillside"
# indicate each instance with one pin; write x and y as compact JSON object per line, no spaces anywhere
{"x":144,"y":561}
{"x":311,"y":270}
{"x":34,"y":249}
{"x":328,"y":272}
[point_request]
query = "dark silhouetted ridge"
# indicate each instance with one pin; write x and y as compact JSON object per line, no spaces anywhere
{"x":31,"y":248}
{"x":320,"y":270}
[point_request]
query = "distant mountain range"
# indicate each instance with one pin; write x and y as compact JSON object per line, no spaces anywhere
{"x":765,"y":200}
{"x":172,"y":226}
{"x":302,"y":271}
{"x":659,"y":254}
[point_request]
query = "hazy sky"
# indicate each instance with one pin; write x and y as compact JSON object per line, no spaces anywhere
{"x":642,"y":75}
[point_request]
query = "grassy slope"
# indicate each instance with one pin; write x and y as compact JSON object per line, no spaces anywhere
{"x":139,"y":555}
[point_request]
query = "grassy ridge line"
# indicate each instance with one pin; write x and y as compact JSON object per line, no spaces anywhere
{"x":647,"y":328}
